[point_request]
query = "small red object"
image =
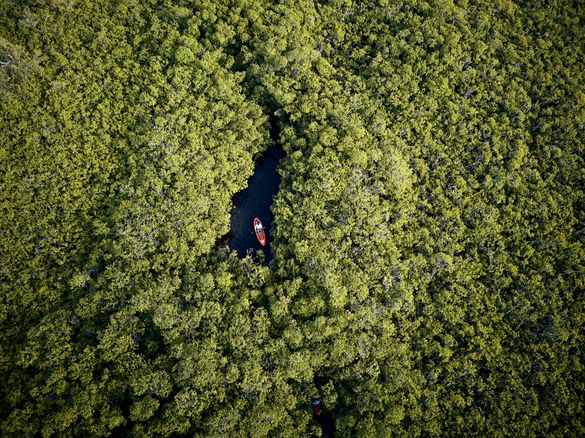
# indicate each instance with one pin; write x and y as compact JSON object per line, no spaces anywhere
{"x":259,"y":230}
{"x":316,"y":409}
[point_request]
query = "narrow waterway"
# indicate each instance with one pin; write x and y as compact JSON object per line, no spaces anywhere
{"x":256,"y":200}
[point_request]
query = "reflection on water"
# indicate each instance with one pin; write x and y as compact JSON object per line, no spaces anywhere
{"x":255,"y":201}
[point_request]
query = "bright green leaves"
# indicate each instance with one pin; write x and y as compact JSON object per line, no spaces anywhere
{"x":184,"y":55}
{"x":119,"y":340}
{"x":16,"y":66}
{"x":143,"y":409}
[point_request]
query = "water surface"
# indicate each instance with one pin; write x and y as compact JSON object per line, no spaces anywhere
{"x":255,"y":201}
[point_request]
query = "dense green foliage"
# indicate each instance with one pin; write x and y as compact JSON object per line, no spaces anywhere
{"x":428,"y":259}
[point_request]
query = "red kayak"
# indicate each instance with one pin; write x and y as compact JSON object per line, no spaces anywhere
{"x":259,"y":230}
{"x":316,"y":408}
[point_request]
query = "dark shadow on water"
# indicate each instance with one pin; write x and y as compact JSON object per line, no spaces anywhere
{"x":255,"y":201}
{"x":327,"y":423}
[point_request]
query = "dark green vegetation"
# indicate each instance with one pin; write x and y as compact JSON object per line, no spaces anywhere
{"x":427,"y":269}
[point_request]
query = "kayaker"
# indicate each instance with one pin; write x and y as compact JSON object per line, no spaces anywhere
{"x":259,"y":230}
{"x":316,"y":408}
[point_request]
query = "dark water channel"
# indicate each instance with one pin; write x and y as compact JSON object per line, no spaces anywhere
{"x":255,"y":201}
